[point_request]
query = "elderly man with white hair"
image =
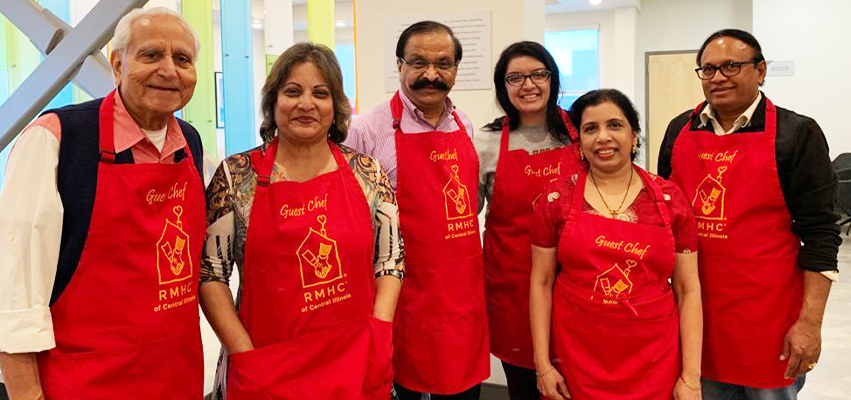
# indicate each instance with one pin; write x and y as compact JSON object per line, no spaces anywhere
{"x":101,"y":230}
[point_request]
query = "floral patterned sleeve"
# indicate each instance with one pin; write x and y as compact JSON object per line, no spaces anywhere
{"x":389,"y":256}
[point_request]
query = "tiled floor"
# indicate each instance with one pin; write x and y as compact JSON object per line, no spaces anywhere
{"x":831,"y":380}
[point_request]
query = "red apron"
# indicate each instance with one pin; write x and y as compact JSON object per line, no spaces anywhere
{"x":615,"y":321}
{"x":127,"y":325}
{"x":308,"y":292}
{"x":440,"y":331}
{"x":748,"y":254}
{"x":520,"y":178}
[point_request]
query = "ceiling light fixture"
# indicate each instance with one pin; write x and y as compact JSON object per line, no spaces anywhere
{"x":341,"y":24}
{"x":595,"y":2}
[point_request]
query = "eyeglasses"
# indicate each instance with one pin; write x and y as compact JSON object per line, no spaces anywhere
{"x":728,"y":69}
{"x":518,"y":79}
{"x":420,"y":64}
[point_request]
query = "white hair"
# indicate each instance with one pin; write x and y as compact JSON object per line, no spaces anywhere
{"x":123,"y":30}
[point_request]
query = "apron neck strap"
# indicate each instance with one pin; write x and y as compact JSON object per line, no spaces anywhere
{"x":396,"y":111}
{"x":503,"y":140}
{"x":264,"y":162}
{"x":106,"y":136}
{"x":571,"y":130}
{"x":770,"y":117}
{"x":652,"y":188}
{"x":656,"y":194}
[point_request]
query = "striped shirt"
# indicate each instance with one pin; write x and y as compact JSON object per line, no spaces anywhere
{"x":373,"y":133}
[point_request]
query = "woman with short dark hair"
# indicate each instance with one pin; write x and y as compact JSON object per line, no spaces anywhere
{"x":313,"y":227}
{"x":518,"y":155}
{"x":614,"y":271}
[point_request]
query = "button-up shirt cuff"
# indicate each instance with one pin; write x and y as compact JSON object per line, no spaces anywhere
{"x":26,"y":331}
{"x":833,"y":276}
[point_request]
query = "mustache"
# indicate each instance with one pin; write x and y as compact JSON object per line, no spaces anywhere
{"x":424,"y":83}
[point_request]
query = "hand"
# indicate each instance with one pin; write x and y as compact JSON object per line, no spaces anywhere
{"x":802,"y":347}
{"x":552,"y":385}
{"x":683,"y":392}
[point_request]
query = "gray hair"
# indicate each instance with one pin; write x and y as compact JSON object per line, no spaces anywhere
{"x":123,"y":30}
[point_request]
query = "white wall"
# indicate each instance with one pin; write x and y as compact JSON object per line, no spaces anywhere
{"x":815,"y":36}
{"x":668,"y":25}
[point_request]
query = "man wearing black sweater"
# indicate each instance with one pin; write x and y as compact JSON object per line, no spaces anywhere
{"x":763,"y":193}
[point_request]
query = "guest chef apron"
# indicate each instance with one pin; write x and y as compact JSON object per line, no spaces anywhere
{"x":748,"y":254}
{"x":308,"y":293}
{"x":520,"y":178}
{"x":615,"y":322}
{"x":440,"y":330}
{"x":127,"y":325}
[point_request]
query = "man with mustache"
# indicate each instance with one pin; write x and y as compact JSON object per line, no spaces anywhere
{"x":102,"y":227}
{"x":763,"y":192}
{"x":440,"y":330}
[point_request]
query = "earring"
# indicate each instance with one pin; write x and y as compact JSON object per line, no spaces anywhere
{"x":581,"y":155}
{"x":634,"y":148}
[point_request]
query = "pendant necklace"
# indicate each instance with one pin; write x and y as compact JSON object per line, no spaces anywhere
{"x":616,"y":212}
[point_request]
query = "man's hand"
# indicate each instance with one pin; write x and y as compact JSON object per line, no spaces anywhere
{"x":802,"y":347}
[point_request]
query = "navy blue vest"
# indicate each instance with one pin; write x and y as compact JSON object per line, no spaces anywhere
{"x":77,"y":179}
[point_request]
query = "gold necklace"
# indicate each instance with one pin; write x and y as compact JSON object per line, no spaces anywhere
{"x":616,"y":213}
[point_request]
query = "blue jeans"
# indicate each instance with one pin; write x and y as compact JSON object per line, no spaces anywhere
{"x":713,"y":390}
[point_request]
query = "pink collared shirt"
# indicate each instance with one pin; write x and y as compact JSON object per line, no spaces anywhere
{"x":31,"y":213}
{"x":373,"y":133}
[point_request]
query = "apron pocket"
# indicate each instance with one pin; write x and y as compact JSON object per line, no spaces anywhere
{"x":379,"y":370}
{"x":329,"y":364}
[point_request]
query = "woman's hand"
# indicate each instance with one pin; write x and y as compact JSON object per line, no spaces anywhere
{"x":684,"y":392}
{"x":552,"y":385}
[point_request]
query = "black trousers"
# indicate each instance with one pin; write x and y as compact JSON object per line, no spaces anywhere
{"x":469,"y":394}
{"x":3,"y":394}
{"x":522,"y":382}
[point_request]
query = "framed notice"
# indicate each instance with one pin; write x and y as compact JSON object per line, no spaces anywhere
{"x":473,"y":30}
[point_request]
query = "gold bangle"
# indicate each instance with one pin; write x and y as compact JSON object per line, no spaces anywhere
{"x":689,"y":385}
{"x":552,"y":367}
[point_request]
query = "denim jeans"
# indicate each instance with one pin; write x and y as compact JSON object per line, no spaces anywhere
{"x":713,"y":390}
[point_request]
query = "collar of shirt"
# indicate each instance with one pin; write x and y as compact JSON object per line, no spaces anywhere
{"x":708,"y":114}
{"x":128,"y":134}
{"x":418,"y":115}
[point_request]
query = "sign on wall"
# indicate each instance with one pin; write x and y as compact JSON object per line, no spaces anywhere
{"x":473,"y":30}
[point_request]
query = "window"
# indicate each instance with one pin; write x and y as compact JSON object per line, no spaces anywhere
{"x":346,"y":57}
{"x":578,"y":57}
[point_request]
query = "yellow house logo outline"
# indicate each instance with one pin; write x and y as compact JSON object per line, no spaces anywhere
{"x":456,"y":197}
{"x":323,"y":260}
{"x":173,"y":250}
{"x":603,"y":284}
{"x":710,"y":196}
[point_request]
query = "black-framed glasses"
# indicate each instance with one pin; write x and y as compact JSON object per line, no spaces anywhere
{"x":518,"y":79}
{"x":728,"y":69}
{"x":420,"y":64}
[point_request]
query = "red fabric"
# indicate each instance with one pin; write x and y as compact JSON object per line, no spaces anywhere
{"x":127,"y":326}
{"x":520,"y":178}
{"x":748,"y":254}
{"x":615,"y":324}
{"x":307,"y":301}
{"x":440,"y":331}
{"x":549,"y":216}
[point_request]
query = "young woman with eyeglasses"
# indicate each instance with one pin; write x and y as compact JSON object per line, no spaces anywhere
{"x":519,"y":154}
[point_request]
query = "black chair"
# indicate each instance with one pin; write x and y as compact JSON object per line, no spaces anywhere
{"x":843,"y":204}
{"x":842,"y":161}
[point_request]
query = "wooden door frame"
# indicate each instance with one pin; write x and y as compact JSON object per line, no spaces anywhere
{"x":647,"y":56}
